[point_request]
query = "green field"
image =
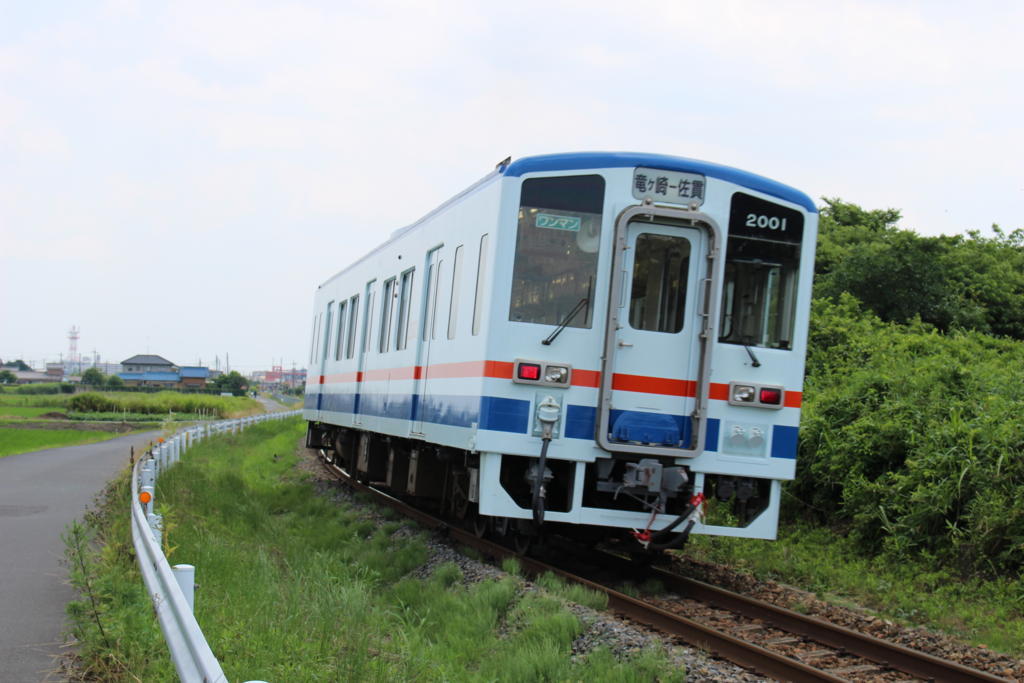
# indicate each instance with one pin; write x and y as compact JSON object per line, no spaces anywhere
{"x":299,"y":587}
{"x":23,"y":411}
{"x":109,"y":405}
{"x":13,"y":441}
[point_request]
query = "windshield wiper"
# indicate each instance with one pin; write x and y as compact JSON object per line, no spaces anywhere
{"x":568,"y":319}
{"x":753,"y":359}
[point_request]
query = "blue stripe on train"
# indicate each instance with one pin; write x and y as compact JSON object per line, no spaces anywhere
{"x":488,"y":412}
{"x":784,"y":440}
{"x":495,"y":413}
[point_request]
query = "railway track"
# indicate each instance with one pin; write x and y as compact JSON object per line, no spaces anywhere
{"x":757,"y":635}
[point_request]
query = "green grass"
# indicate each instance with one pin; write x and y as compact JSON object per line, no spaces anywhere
{"x":13,"y":441}
{"x":914,"y":593}
{"x":296,"y":587}
{"x":23,"y":411}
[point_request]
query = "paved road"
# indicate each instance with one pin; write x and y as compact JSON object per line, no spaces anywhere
{"x":40,"y":493}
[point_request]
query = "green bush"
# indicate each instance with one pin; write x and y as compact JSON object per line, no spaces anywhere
{"x":911,"y":438}
{"x":161,"y":403}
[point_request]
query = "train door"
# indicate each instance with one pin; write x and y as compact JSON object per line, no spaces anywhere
{"x":364,"y":348}
{"x":428,"y":333}
{"x":653,"y":383}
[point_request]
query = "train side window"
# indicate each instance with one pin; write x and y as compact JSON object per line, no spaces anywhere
{"x":339,"y":340}
{"x":657,"y":298}
{"x":478,"y":295}
{"x":428,"y":312}
{"x":312,"y":342}
{"x":368,"y":321}
{"x":350,"y":345}
{"x":404,"y":306}
{"x":453,"y":304}
{"x":557,"y":243}
{"x":387,"y":310}
{"x":327,"y":331}
{"x":432,"y":306}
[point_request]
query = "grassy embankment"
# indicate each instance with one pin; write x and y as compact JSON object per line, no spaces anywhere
{"x":298,"y":587}
{"x":22,"y":428}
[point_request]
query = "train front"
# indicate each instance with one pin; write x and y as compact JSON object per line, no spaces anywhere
{"x":654,"y":312}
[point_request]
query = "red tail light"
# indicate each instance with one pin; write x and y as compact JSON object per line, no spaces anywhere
{"x":529,"y":371}
{"x":772,"y":396}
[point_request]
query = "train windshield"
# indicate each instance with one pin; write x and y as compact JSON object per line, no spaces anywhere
{"x":557,"y":244}
{"x":762,"y":262}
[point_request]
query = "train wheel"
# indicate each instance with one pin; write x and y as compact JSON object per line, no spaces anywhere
{"x":522,"y":542}
{"x":500,"y":526}
{"x":481,"y":525}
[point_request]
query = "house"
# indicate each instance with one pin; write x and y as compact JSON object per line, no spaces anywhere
{"x":149,"y":371}
{"x":193,"y":377}
{"x":156,"y":371}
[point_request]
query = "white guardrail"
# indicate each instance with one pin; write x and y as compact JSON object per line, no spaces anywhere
{"x":172,"y":590}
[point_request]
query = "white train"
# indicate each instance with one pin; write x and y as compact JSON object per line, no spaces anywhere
{"x":613,"y":341}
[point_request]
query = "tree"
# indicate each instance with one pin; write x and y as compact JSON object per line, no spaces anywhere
{"x":7,"y":377}
{"x":94,"y":377}
{"x":19,"y":365}
{"x":114,"y":382}
{"x":232,"y":382}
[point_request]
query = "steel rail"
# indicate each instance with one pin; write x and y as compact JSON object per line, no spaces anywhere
{"x":721,"y":644}
{"x":890,"y":655}
{"x":743,"y":653}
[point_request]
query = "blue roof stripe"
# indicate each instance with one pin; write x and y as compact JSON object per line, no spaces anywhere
{"x":589,"y":160}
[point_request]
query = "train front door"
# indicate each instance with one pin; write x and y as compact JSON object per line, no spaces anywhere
{"x":653,"y":394}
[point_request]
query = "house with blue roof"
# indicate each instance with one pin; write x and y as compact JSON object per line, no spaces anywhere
{"x":145,"y":370}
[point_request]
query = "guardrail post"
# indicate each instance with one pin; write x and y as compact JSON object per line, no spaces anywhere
{"x":148,"y":475}
{"x":185,"y":575}
{"x":149,"y":503}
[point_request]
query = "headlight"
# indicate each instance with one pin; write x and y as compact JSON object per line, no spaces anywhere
{"x":743,"y":393}
{"x":557,"y":374}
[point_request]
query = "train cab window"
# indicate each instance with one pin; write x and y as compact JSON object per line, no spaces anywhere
{"x":453,"y":305}
{"x":762,"y":262}
{"x":350,"y":344}
{"x":557,"y":245}
{"x":657,"y":297}
{"x":404,"y":305}
{"x":387,"y":309}
{"x":478,"y":295}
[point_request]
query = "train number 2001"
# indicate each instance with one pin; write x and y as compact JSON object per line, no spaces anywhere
{"x":770,"y":222}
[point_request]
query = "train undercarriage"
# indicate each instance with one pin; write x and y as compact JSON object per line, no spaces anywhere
{"x":446,"y":481}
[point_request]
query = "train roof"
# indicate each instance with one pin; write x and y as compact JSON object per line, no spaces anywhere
{"x":572,"y":161}
{"x":584,"y":160}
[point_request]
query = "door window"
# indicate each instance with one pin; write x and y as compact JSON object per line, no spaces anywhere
{"x":657,"y":300}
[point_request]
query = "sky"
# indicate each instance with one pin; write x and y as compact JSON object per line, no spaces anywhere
{"x":177,"y":178}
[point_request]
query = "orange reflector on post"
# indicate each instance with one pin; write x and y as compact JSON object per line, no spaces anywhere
{"x":160,"y":440}
{"x":145,"y":497}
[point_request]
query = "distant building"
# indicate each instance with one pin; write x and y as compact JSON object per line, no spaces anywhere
{"x":279,"y":377}
{"x":149,"y":371}
{"x":156,"y":371}
{"x":193,"y":376}
{"x":32,"y":377}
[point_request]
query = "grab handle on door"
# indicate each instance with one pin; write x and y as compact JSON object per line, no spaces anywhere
{"x":624,"y":344}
